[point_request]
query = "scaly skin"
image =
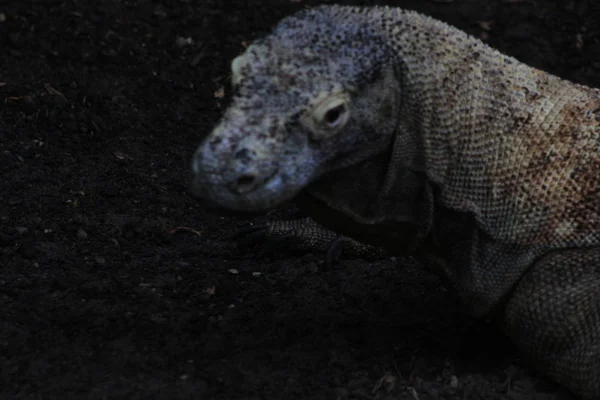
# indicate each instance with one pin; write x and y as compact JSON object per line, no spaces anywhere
{"x":398,"y":130}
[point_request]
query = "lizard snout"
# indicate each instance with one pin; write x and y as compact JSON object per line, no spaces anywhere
{"x":248,"y":171}
{"x":238,"y":170}
{"x":239,"y":173}
{"x":246,"y":180}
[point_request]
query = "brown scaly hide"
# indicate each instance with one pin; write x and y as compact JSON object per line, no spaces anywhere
{"x":489,"y":164}
{"x":510,"y":151}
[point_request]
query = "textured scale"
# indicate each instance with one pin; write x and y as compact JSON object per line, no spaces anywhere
{"x":478,"y":164}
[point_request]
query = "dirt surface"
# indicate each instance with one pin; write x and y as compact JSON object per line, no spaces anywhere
{"x":102,"y":105}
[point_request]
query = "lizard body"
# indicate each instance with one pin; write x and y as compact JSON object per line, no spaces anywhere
{"x":398,"y":130}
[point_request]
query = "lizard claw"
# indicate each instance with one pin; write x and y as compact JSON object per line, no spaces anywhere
{"x":263,"y":235}
{"x":249,"y":233}
{"x":302,"y":235}
{"x":334,"y":251}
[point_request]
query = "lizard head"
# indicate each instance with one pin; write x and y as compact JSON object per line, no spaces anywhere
{"x":308,"y":99}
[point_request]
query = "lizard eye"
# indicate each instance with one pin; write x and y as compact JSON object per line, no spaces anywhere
{"x":332,"y":113}
{"x":328,"y":117}
{"x":334,"y":116}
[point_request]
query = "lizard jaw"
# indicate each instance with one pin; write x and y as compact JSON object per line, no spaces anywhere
{"x":245,"y":186}
{"x":211,"y":188}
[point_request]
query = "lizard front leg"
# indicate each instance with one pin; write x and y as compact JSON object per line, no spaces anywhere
{"x":306,"y":235}
{"x":554,"y":317}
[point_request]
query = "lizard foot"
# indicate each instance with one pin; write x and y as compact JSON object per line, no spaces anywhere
{"x":305,"y":235}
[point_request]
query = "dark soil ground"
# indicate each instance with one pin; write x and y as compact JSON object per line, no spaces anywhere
{"x":102,"y":105}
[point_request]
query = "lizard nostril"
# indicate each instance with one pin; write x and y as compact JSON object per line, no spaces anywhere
{"x":245,"y":183}
{"x":242,"y":154}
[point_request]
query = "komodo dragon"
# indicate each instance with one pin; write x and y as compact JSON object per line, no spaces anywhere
{"x":395,"y":129}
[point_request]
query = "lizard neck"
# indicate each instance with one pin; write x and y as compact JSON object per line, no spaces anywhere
{"x":500,"y":140}
{"x":447,"y":85}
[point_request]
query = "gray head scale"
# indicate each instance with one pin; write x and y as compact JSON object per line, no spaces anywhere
{"x":311,"y":92}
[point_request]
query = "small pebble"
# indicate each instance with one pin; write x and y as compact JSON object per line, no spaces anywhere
{"x":182,"y":42}
{"x":81,"y":234}
{"x":454,"y":382}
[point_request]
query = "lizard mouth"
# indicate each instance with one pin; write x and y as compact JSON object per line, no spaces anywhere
{"x":247,"y":193}
{"x":269,"y":192}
